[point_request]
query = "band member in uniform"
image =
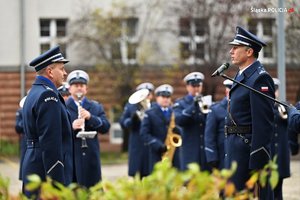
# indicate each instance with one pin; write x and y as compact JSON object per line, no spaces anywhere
{"x":130,"y":119}
{"x":92,"y":118}
{"x":294,"y":119}
{"x":214,"y":130}
{"x":155,"y":124}
{"x":293,"y":136}
{"x":47,"y":124}
{"x":20,"y":130}
{"x":64,"y":91}
{"x":250,"y":118}
{"x":189,"y":117}
{"x":280,"y":144}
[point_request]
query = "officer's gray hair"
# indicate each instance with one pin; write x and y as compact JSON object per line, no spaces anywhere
{"x":42,"y":71}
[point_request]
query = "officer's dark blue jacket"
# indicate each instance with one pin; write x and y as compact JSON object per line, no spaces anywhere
{"x":192,"y":122}
{"x":87,"y":160}
{"x":214,"y":133}
{"x":154,"y":129}
{"x":251,"y":150}
{"x":280,"y":144}
{"x":294,"y":120}
{"x":47,"y":127}
{"x":20,"y":130}
{"x":137,"y":150}
{"x":293,"y":134}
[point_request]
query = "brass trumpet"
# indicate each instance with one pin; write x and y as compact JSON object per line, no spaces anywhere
{"x":172,"y":141}
{"x":204,"y":102}
{"x":140,"y":97}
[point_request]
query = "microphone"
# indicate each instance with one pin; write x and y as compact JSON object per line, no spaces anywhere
{"x":220,"y":70}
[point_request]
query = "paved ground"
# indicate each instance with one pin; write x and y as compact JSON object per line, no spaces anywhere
{"x":10,"y":168}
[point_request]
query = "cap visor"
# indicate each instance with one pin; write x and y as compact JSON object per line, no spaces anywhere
{"x":235,"y":43}
{"x":62,"y":61}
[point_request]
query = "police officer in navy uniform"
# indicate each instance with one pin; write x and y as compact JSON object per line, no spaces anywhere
{"x":250,"y":118}
{"x":138,"y":161}
{"x":293,"y":136}
{"x":280,"y":144}
{"x":154,"y":127}
{"x":20,"y":130}
{"x":64,"y":91}
{"x":93,"y":118}
{"x":47,"y":124}
{"x":214,"y":130}
{"x":294,"y":119}
{"x":189,"y":117}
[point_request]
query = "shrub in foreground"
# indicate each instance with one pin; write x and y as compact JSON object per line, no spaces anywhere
{"x":164,"y":183}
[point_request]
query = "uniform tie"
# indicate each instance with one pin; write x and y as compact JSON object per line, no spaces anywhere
{"x":165,"y":111}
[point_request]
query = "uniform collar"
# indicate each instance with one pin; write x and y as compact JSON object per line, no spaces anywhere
{"x":189,"y":97}
{"x":46,"y":81}
{"x":251,"y":69}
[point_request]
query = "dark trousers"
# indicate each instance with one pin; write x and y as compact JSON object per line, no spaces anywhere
{"x":278,"y":190}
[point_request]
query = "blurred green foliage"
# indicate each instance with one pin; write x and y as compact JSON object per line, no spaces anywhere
{"x":9,"y":148}
{"x":164,"y":183}
{"x":108,"y":158}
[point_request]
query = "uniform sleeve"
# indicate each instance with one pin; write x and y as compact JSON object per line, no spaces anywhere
{"x":125,"y":119}
{"x":146,"y":135}
{"x":185,"y":116}
{"x":210,"y":137}
{"x":262,"y":112}
{"x":49,"y":124}
{"x":98,"y":121}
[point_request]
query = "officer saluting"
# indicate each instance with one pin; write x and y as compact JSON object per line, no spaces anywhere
{"x":189,"y":117}
{"x":92,"y":118}
{"x":47,"y":124}
{"x":250,"y":118}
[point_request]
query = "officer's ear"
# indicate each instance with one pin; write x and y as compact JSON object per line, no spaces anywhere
{"x":249,"y":51}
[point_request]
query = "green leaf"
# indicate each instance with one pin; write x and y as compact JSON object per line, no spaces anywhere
{"x":274,"y":179}
{"x":263,"y":178}
{"x":34,"y":182}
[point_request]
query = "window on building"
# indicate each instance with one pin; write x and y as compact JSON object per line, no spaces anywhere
{"x":125,"y":49}
{"x":264,"y":29}
{"x":192,"y":39}
{"x":53,"y":32}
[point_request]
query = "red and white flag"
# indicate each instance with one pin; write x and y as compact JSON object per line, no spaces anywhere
{"x":264,"y":89}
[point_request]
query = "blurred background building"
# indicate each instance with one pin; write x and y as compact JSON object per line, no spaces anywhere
{"x":122,"y":43}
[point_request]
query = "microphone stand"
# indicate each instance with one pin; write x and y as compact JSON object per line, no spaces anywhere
{"x":254,"y":90}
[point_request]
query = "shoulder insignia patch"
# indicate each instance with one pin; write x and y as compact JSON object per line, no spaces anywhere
{"x":51,"y":99}
{"x":48,"y":88}
{"x":175,"y":104}
{"x":261,"y":70}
